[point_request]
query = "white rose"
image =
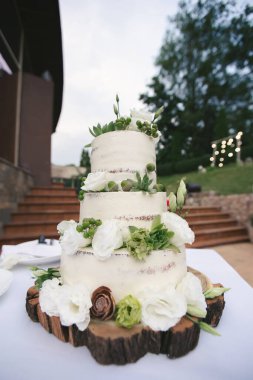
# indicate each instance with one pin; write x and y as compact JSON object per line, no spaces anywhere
{"x":190,"y":287}
{"x":9,"y":259}
{"x":65,"y":225}
{"x":181,"y":229}
{"x":74,"y":303}
{"x":72,"y":240}
{"x":162,"y":309}
{"x":107,"y":238}
{"x":48,"y":296}
{"x":95,"y":181}
{"x":141,"y":115}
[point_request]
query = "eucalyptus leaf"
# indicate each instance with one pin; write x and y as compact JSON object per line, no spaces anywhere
{"x":215,"y":292}
{"x":204,"y":326}
{"x":196,"y":311}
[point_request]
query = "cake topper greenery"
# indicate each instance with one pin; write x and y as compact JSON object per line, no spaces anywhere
{"x":141,"y":121}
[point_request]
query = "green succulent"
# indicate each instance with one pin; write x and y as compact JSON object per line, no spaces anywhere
{"x":128,"y":312}
{"x":139,"y":244}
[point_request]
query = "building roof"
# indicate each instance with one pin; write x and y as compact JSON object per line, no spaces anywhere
{"x":40,"y":22}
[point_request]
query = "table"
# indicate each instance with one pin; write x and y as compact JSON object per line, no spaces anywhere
{"x":28,"y":352}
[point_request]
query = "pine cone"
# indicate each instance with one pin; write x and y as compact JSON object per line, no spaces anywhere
{"x":103,"y":304}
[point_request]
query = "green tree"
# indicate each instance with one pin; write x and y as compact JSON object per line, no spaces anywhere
{"x":205,"y":78}
{"x":85,"y":159}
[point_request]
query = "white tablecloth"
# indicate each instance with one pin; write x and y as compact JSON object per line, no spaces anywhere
{"x":28,"y":352}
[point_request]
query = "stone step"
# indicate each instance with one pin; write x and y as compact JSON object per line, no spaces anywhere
{"x":212,"y":242}
{"x":217,"y":233}
{"x":50,"y":216}
{"x":58,"y":185}
{"x":207,"y":217}
{"x":53,"y":191}
{"x":73,"y":206}
{"x":38,"y":228}
{"x":216,"y":223}
{"x":48,"y":199}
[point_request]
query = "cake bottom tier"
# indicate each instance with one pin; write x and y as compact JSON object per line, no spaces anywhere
{"x":122,"y":273}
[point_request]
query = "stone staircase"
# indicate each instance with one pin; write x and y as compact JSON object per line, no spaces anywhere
{"x":44,"y":208}
{"x":214,"y":227}
{"x":39,"y":214}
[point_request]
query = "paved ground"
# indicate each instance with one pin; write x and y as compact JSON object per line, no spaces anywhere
{"x":240,"y":257}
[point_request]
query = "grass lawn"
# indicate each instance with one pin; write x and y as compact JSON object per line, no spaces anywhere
{"x":230,"y":179}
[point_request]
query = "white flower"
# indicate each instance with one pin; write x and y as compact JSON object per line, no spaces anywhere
{"x":71,"y":240}
{"x":107,"y":238}
{"x":65,"y":225}
{"x":141,"y":115}
{"x":5,"y":280}
{"x":48,"y":296}
{"x":9,"y":259}
{"x":95,"y":181}
{"x":190,"y":287}
{"x":162,"y":309}
{"x":183,"y":233}
{"x":74,"y":303}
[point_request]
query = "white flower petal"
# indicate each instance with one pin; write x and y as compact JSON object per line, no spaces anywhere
{"x":162,"y":309}
{"x":65,"y":225}
{"x":190,"y":287}
{"x":95,"y":181}
{"x":183,"y":233}
{"x":107,"y":238}
{"x":48,"y":295}
{"x":72,"y":240}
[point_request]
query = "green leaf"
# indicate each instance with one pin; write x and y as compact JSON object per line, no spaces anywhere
{"x":88,"y":145}
{"x":156,"y":222}
{"x":132,"y":229}
{"x":93,"y":133}
{"x":196,"y":311}
{"x":215,"y":292}
{"x":204,"y":326}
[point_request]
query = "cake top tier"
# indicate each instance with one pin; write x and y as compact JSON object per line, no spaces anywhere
{"x":123,"y":151}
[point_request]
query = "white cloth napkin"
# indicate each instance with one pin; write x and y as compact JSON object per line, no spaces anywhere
{"x":5,"y":280}
{"x":14,"y":254}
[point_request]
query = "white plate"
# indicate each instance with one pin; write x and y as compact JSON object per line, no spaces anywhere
{"x":39,"y":260}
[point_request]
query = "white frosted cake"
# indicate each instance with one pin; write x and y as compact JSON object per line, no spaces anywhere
{"x":125,"y":258}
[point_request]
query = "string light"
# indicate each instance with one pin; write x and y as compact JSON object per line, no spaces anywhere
{"x":232,"y":144}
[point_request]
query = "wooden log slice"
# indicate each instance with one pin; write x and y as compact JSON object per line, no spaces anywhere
{"x":110,"y":344}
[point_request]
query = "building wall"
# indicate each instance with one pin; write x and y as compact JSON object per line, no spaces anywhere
{"x":8,"y":99}
{"x":36,"y":121}
{"x":14,"y":185}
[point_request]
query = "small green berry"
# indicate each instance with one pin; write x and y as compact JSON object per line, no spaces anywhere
{"x":150,"y":167}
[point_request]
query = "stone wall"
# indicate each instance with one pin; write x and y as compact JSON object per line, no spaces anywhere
{"x":239,"y":206}
{"x":15,"y":183}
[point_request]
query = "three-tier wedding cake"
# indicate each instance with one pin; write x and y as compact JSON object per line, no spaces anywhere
{"x":124,"y":260}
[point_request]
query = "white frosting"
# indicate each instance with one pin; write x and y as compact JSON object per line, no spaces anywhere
{"x":122,"y":153}
{"x":133,"y":208}
{"x":122,"y":273}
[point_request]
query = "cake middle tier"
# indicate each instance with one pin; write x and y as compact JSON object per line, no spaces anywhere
{"x":122,"y":273}
{"x":122,"y":153}
{"x":131,"y":208}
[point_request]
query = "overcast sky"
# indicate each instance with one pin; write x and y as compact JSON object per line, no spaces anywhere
{"x":109,"y":47}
